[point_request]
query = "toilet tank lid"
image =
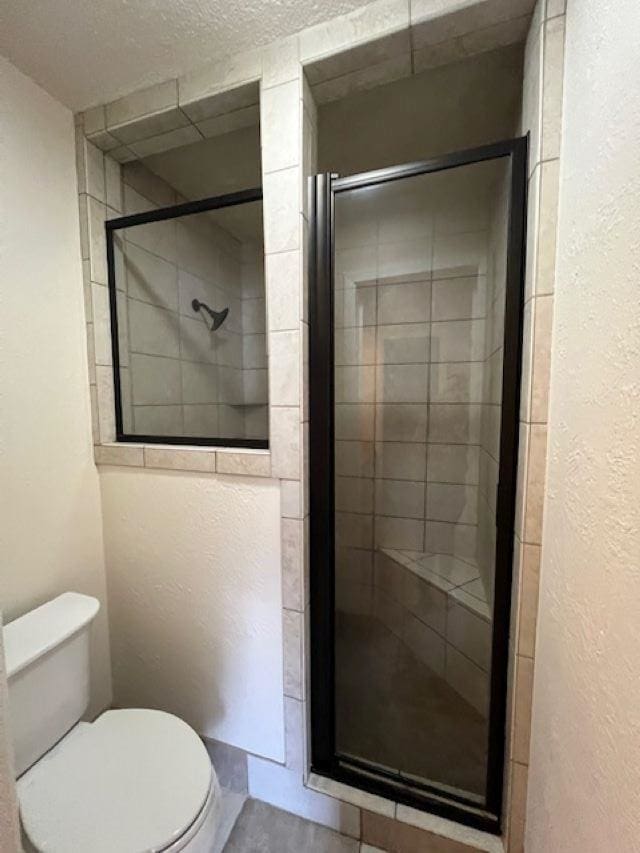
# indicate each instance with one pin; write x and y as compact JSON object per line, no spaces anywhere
{"x":33,"y":635}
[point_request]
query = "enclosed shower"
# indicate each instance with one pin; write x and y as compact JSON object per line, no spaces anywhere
{"x":415,"y":313}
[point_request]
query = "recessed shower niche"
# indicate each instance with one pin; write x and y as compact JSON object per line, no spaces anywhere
{"x":187,"y":292}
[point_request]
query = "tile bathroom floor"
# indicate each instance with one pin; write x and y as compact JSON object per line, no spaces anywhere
{"x":394,"y":710}
{"x":261,"y":828}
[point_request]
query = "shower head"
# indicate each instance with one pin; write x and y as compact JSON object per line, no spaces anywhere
{"x":217,"y":317}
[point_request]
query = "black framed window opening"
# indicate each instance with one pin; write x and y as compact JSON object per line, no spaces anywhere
{"x":416,"y":301}
{"x":187,"y":308}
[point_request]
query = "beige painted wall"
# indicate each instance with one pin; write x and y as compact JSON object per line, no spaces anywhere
{"x":584,"y":786}
{"x":50,"y":527}
{"x":194,"y":601}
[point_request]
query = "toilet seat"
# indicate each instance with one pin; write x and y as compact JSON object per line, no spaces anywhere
{"x":134,"y":781}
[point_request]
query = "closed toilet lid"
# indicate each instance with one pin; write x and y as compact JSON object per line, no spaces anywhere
{"x":132,"y":782}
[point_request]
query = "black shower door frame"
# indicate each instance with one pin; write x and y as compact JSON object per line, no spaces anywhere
{"x":324,"y":758}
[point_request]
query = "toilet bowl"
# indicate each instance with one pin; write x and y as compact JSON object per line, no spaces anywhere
{"x":133,"y":781}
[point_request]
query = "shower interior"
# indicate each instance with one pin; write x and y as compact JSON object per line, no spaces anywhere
{"x":190,"y":294}
{"x":420,"y":271}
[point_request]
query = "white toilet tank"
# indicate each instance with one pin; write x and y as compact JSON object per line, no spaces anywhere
{"x":47,"y":659}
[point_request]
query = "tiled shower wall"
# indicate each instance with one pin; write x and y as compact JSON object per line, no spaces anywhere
{"x":542,"y":118}
{"x":411,"y":291}
{"x":491,"y":409}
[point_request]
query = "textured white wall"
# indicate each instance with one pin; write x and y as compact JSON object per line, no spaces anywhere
{"x":50,"y":522}
{"x":584,"y":788}
{"x":195,"y":601}
{"x":9,"y":832}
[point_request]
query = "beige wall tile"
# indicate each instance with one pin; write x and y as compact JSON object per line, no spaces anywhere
{"x":400,"y":498}
{"x":354,"y":494}
{"x":284,"y":368}
{"x":143,"y":102}
{"x":528,"y":598}
{"x":402,"y":383}
{"x":101,"y":323}
{"x":157,"y":381}
{"x":113,"y":182}
{"x":161,"y":139}
{"x":522,"y":709}
{"x":453,"y":503}
{"x":401,"y":460}
{"x":177,"y":459}
{"x":238,"y":72}
{"x":292,"y":544}
{"x":399,"y":533}
{"x":280,"y":127}
{"x":292,"y":637}
{"x":280,"y":62}
{"x":169,"y":420}
{"x":467,"y":679}
{"x":404,"y":303}
{"x":283,"y":282}
{"x":94,"y":120}
{"x":555,"y":7}
{"x":497,"y":35}
{"x":425,"y":643}
{"x":458,"y":340}
{"x":447,"y":538}
{"x":425,"y":601}
{"x":455,"y":382}
{"x":354,"y":458}
{"x":535,"y":484}
{"x":370,"y":77}
{"x":94,"y":172}
{"x":355,"y":307}
{"x":469,"y":634}
{"x":517,"y":807}
{"x":152,"y":279}
{"x":291,"y":499}
{"x":541,"y":358}
{"x":459,"y":298}
{"x":404,"y":343}
{"x":294,"y":733}
{"x":285,"y":442}
{"x":119,"y":454}
{"x":355,"y":345}
{"x":401,"y":422}
{"x":282,"y":210}
{"x":354,"y":530}
{"x":354,"y":384}
{"x":454,"y":423}
{"x":354,"y":422}
{"x":453,"y":463}
{"x":230,"y":122}
{"x":153,"y":331}
{"x":96,"y":241}
{"x":552,"y":87}
{"x":251,"y":463}
{"x":106,"y":409}
{"x":545,"y":262}
{"x":362,"y":25}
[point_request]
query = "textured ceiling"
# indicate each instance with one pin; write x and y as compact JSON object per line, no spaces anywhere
{"x":85,"y":52}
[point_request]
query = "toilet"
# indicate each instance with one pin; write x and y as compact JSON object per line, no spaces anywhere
{"x":132,"y":781}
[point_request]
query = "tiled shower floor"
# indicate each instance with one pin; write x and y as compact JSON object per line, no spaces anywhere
{"x":394,"y":710}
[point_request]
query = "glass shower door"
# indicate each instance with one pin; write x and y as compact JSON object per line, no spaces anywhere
{"x":421,"y":413}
